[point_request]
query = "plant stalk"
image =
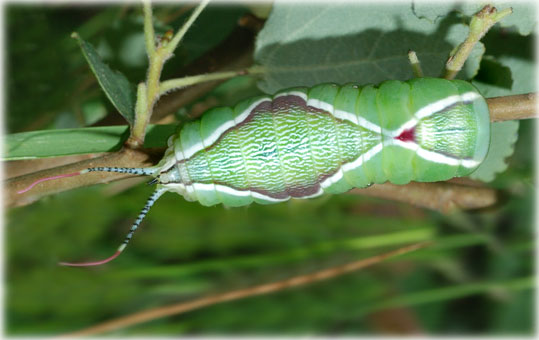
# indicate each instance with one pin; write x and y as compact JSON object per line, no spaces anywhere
{"x":179,"y":83}
{"x":481,"y":22}
{"x":520,"y":106}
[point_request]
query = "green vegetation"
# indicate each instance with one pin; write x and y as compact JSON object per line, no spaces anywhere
{"x":476,"y":279}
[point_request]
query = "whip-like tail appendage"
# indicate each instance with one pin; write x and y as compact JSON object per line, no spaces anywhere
{"x":133,"y":171}
{"x":134,"y":227}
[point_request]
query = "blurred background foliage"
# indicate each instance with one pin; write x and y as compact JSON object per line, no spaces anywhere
{"x":476,"y":279}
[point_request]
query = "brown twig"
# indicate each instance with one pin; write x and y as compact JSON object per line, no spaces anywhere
{"x":268,"y":288}
{"x":520,"y":106}
{"x":123,"y":158}
{"x":28,"y":166}
{"x":440,"y":196}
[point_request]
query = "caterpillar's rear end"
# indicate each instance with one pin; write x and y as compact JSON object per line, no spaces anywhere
{"x":304,"y":142}
{"x":434,"y":129}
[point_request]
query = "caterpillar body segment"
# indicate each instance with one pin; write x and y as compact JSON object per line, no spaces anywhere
{"x":304,"y":142}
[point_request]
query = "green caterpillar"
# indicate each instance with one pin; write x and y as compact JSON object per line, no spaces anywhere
{"x":304,"y":142}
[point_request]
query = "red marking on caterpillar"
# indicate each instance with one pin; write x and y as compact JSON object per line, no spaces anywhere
{"x":407,"y":135}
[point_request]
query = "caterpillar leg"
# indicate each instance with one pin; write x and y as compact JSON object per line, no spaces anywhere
{"x":129,"y":235}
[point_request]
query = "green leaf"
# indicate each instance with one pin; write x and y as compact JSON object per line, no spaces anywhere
{"x":509,"y":69}
{"x":54,"y":143}
{"x":502,"y":142}
{"x":350,"y":42}
{"x":524,"y":16}
{"x":493,"y":74}
{"x":116,"y":86}
{"x":510,"y":50}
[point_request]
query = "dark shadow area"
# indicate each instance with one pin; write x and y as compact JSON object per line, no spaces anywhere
{"x":373,"y":56}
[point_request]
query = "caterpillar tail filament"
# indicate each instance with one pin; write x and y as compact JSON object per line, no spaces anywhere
{"x":134,"y":227}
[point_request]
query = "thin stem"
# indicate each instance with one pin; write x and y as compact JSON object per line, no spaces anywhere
{"x":440,"y":196}
{"x":138,"y":130}
{"x":414,"y":62}
{"x":158,"y":56}
{"x":149,"y":34}
{"x":151,"y":91}
{"x":179,"y":35}
{"x":154,"y":74}
{"x":267,"y":288}
{"x":178,"y":83}
{"x":520,"y":106}
{"x":481,"y":22}
{"x":146,"y":93}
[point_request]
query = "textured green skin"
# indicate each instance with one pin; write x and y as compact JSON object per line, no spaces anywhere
{"x":290,"y":151}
